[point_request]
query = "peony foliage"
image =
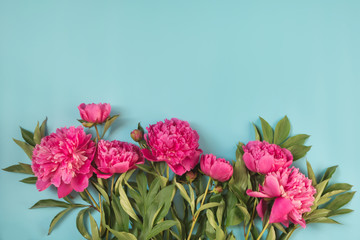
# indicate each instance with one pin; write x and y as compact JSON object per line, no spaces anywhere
{"x":167,"y":188}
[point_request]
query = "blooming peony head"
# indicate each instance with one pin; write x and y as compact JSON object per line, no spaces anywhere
{"x":174,"y":142}
{"x":116,"y":157}
{"x":94,"y":113}
{"x":292,"y":193}
{"x":217,"y":168}
{"x":263,"y":157}
{"x":64,"y":159}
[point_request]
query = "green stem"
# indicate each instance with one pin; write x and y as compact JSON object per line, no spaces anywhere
{"x":97,"y":206}
{"x":97,"y":133}
{"x":262,"y":232}
{"x":252,"y":220}
{"x":290,"y":233}
{"x":197,"y":215}
{"x":167,"y":172}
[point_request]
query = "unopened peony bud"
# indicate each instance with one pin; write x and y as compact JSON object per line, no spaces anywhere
{"x":218,"y":189}
{"x":136,"y":135}
{"x":191,"y":176}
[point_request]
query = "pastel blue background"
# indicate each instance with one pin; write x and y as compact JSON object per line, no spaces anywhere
{"x":217,"y":64}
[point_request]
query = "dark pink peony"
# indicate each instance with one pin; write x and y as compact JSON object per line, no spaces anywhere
{"x":292,"y":193}
{"x":217,"y":168}
{"x":116,"y":157}
{"x":94,"y":113}
{"x":263,"y":157}
{"x":64,"y":159}
{"x":174,"y":142}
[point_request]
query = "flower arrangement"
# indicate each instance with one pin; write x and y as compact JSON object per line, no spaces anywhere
{"x":137,"y":197}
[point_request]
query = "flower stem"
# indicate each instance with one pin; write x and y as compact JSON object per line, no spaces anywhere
{"x":97,"y":206}
{"x":252,"y":220}
{"x":97,"y":133}
{"x":291,"y":232}
{"x":262,"y":232}
{"x":112,"y":185}
{"x":197,"y":215}
{"x":167,"y":172}
{"x":100,"y":212}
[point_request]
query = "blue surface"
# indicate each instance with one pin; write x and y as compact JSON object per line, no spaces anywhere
{"x":217,"y":64}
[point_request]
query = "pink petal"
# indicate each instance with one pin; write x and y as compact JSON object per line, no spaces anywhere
{"x":221,"y":171}
{"x":148,"y":155}
{"x":256,"y":194}
{"x":280,"y":210}
{"x":265,"y":164}
{"x":249,"y":162}
{"x":64,"y":190}
{"x":271,"y":186}
{"x":80,"y":182}
{"x":261,"y":208}
{"x":41,"y":186}
{"x":177,"y":169}
{"x":120,"y":167}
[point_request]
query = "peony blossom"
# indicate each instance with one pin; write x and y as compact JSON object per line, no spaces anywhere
{"x":174,"y":142}
{"x":64,"y":159}
{"x":263,"y":157}
{"x":116,"y":157}
{"x":292,"y":193}
{"x":217,"y":168}
{"x":94,"y":113}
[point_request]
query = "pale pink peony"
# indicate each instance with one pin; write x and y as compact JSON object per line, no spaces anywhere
{"x":293,"y":196}
{"x":217,"y":168}
{"x":174,"y":142}
{"x":263,"y":157}
{"x":64,"y":159}
{"x":116,"y":157}
{"x":94,"y":113}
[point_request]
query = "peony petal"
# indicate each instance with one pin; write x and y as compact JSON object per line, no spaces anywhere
{"x":41,"y":186}
{"x":80,"y":182}
{"x":120,"y":167}
{"x":64,"y":190}
{"x":177,"y":169}
{"x":280,"y":210}
{"x":271,"y":186}
{"x":261,"y":208}
{"x":148,"y":155}
{"x":221,"y":171}
{"x":256,"y":194}
{"x":249,"y":162}
{"x":265,"y":164}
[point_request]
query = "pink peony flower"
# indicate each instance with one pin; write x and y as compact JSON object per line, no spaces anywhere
{"x":217,"y":168}
{"x":293,"y":196}
{"x":174,"y":142}
{"x":116,"y":157}
{"x":64,"y":159}
{"x":263,"y":157}
{"x":94,"y":113}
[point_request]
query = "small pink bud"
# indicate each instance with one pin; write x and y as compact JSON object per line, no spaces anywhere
{"x":218,"y":189}
{"x":136,"y":135}
{"x":191,"y":176}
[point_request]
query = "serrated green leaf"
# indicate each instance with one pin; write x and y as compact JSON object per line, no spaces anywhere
{"x":338,"y":186}
{"x":27,"y":148}
{"x":295,"y":140}
{"x":340,"y":201}
{"x":108,"y":123}
{"x":298,"y":151}
{"x":206,"y":206}
{"x":29,"y":180}
{"x":267,"y":131}
{"x":257,"y":133}
{"x":282,"y":130}
{"x":328,"y":173}
{"x":271,"y":234}
{"x":27,"y":136}
{"x":57,"y":218}
{"x":311,"y":174}
{"x":50,"y":203}
{"x":94,"y":228}
{"x":37,"y":134}
{"x":160,"y":228}
{"x":80,"y":224}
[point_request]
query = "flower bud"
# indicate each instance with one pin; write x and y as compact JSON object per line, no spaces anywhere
{"x":191,"y":176}
{"x":218,"y":189}
{"x":136,"y":135}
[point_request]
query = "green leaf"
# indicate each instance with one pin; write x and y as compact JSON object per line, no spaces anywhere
{"x":319,"y":189}
{"x":257,"y":134}
{"x":126,"y":205}
{"x":220,"y":235}
{"x":80,"y":224}
{"x":108,"y":123}
{"x":57,"y":218}
{"x":122,"y":235}
{"x":267,"y":131}
{"x":323,"y":220}
{"x":29,"y":180}
{"x":20,"y":168}
{"x":340,"y":212}
{"x":37,"y":134}
{"x":234,"y":217}
{"x":311,"y":174}
{"x":50,"y":203}
{"x":27,"y":136}
{"x":280,"y":227}
{"x":338,"y":186}
{"x":220,"y":212}
{"x":85,"y":197}
{"x":102,"y":191}
{"x":122,"y":218}
{"x":160,"y":228}
{"x":141,"y":183}
{"x":206,"y":206}
{"x":43,"y":128}
{"x":184,"y":194}
{"x":94,"y":228}
{"x":328,"y":173}
{"x":340,"y":201}
{"x":298,"y":151}
{"x":245,"y":213}
{"x":282,"y":130}
{"x":211,"y":218}
{"x":27,"y":148}
{"x":271,"y":234}
{"x":238,"y":181}
{"x":192,"y":198}
{"x":317,"y":213}
{"x":295,"y":140}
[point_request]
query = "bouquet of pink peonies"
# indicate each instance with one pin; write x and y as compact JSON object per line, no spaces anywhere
{"x":138,"y":197}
